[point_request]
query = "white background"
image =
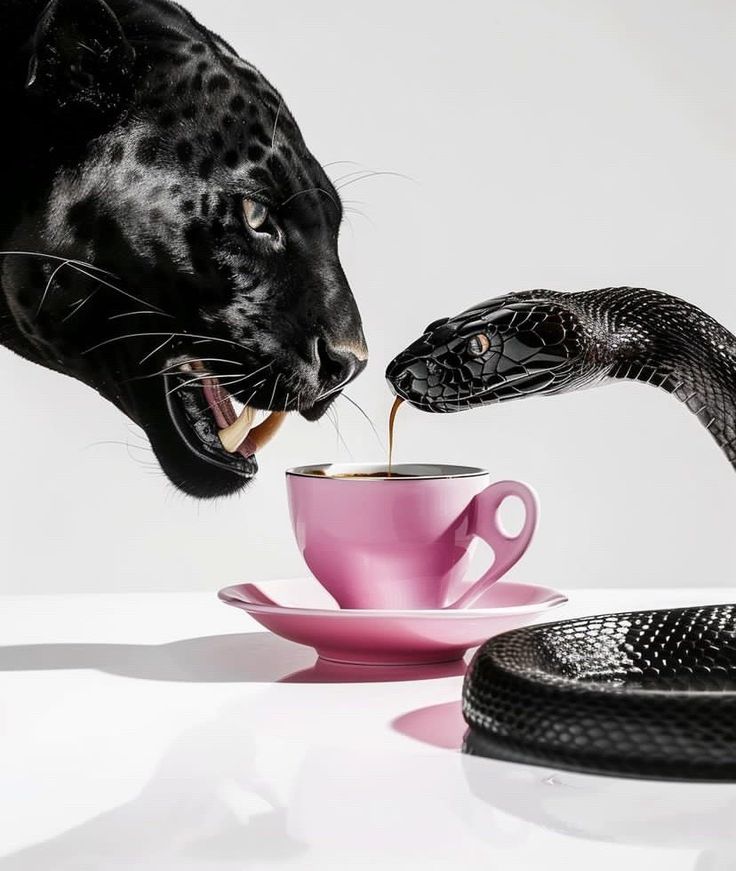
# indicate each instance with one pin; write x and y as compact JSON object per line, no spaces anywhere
{"x":566,"y":145}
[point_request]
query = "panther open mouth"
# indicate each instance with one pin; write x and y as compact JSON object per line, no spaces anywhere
{"x":213,"y":423}
{"x":204,"y":426}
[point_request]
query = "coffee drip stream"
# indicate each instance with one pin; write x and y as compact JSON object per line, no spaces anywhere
{"x":391,"y":422}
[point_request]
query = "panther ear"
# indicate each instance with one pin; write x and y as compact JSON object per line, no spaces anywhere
{"x":80,"y":57}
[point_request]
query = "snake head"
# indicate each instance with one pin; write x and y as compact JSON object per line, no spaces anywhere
{"x":518,"y":345}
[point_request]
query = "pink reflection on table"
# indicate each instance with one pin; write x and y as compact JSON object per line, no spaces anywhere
{"x":438,"y":725}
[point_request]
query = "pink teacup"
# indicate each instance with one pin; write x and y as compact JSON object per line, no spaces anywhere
{"x":403,"y":542}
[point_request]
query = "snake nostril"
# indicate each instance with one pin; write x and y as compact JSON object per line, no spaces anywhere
{"x":401,"y":381}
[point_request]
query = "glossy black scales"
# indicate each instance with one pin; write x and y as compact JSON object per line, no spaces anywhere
{"x":526,"y":347}
{"x":645,"y":694}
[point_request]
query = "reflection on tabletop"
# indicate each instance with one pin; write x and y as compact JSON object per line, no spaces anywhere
{"x":252,"y":786}
{"x":242,"y":750}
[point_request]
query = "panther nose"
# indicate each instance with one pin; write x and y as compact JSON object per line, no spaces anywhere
{"x":337,"y":365}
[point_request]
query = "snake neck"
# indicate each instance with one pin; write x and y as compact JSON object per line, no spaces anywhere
{"x":651,"y":337}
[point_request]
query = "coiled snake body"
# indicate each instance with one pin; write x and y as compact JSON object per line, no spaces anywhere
{"x":542,"y":343}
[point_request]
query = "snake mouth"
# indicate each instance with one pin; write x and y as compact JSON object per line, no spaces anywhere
{"x":415,"y":385}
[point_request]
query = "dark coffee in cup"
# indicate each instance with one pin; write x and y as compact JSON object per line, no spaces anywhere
{"x":387,"y":473}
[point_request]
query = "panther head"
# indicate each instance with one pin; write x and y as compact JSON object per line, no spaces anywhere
{"x":180,"y":241}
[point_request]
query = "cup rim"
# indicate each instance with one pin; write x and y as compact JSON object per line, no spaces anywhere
{"x":448,"y":472}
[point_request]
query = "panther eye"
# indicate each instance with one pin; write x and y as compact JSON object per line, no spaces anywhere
{"x":255,"y":214}
{"x":478,"y":345}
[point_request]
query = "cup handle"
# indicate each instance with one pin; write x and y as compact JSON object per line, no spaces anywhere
{"x":507,"y":549}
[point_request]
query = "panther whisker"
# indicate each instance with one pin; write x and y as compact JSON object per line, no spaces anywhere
{"x":337,"y":162}
{"x":105,"y":442}
{"x":80,"y":266}
{"x":273,"y":394}
{"x":209,"y":360}
{"x":247,"y":402}
{"x":80,"y":305}
{"x":137,"y":432}
{"x":333,"y":390}
{"x":205,"y":376}
{"x":48,"y":285}
{"x":366,"y":416}
{"x":56,"y":257}
{"x":156,"y":350}
{"x":112,"y":286}
{"x":148,"y":466}
{"x":204,"y":339}
{"x":336,"y":426}
{"x":143,"y":312}
{"x":195,"y":380}
{"x":311,"y":190}
{"x":276,"y":121}
{"x":339,"y":429}
{"x":373,"y":175}
{"x":120,"y":339}
{"x":255,"y":390}
{"x":226,"y":398}
{"x":351,"y":210}
{"x":75,"y":264}
{"x":354,"y":172}
{"x":175,"y":335}
{"x":251,"y":375}
{"x":174,"y":366}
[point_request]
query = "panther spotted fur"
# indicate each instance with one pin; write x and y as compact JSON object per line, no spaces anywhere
{"x":164,"y":225}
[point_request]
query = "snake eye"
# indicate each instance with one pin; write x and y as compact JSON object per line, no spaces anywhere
{"x":478,"y":345}
{"x":255,"y":214}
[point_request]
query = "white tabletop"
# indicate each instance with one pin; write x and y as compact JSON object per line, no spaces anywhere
{"x":166,"y":732}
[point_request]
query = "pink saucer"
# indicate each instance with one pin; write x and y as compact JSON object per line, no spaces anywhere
{"x":310,"y":616}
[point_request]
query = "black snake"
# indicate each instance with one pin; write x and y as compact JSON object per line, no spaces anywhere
{"x":543,"y":342}
{"x":645,"y":694}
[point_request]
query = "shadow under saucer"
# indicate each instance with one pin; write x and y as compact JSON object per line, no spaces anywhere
{"x":257,"y":657}
{"x":326,"y":671}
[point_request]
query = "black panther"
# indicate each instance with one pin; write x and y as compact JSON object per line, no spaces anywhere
{"x":167,"y":237}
